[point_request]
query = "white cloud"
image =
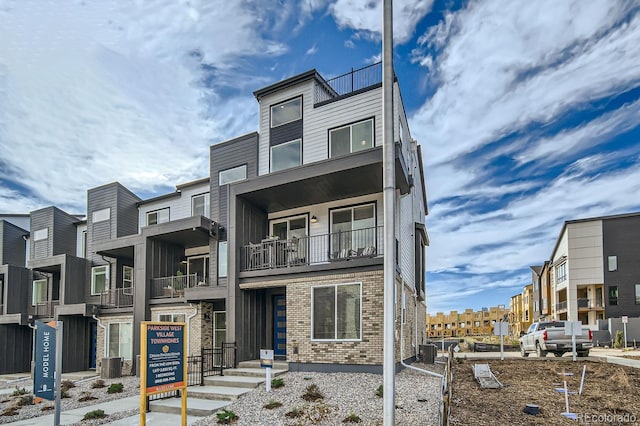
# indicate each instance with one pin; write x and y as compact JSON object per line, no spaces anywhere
{"x":366,"y":16}
{"x":312,"y":50}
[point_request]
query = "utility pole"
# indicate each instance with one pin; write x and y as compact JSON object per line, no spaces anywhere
{"x":389,"y":197}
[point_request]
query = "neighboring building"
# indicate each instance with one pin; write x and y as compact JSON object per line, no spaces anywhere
{"x":280,"y":246}
{"x":527,"y":307}
{"x":516,"y":325}
{"x":467,"y":323}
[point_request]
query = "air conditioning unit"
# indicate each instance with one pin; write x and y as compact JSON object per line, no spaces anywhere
{"x":111,"y":368}
{"x":428,"y":353}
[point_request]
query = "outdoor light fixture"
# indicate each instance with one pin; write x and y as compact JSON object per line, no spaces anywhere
{"x":314,"y":219}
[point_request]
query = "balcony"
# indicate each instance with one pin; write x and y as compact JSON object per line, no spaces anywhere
{"x":347,"y":84}
{"x":588,"y":304}
{"x":174,"y":286}
{"x":117,"y":298}
{"x":274,"y":253}
{"x":562,"y":306}
{"x":44,"y":309}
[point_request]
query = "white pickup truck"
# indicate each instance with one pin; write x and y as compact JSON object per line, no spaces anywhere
{"x":544,"y":337}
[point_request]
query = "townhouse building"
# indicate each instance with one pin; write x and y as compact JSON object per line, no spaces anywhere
{"x":467,"y":323}
{"x":278,"y":246}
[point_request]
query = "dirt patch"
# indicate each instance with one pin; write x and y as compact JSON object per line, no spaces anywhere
{"x":611,"y":392}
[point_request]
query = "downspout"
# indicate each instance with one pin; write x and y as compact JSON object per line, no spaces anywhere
{"x":189,"y":320}
{"x":430,"y":373}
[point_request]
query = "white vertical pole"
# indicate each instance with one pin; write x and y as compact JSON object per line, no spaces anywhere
{"x":625,"y":335}
{"x":573,"y":343}
{"x":56,"y":413}
{"x":584,"y":373}
{"x":268,"y":383}
{"x":389,"y":195}
{"x":501,"y":345}
{"x":566,"y":398}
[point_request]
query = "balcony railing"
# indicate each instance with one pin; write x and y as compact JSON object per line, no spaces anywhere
{"x":117,"y":298}
{"x":44,"y":309}
{"x":350,"y":82}
{"x":562,"y":306}
{"x":274,"y":253}
{"x":174,"y":286}
{"x":586,"y":303}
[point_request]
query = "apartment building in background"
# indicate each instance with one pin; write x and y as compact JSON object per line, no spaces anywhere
{"x":279,"y":245}
{"x":466,"y":323}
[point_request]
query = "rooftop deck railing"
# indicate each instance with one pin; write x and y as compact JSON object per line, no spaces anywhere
{"x":350,"y":82}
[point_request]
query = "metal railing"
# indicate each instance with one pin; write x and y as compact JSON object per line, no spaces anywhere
{"x":350,"y":82}
{"x":117,"y":298}
{"x":174,"y":286}
{"x":562,"y":306}
{"x":210,"y":362}
{"x":337,"y":246}
{"x":588,"y":303}
{"x":44,"y":309}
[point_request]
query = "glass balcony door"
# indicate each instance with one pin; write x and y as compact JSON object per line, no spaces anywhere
{"x":198,"y":265}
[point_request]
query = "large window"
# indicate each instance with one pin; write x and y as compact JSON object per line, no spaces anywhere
{"x":158,"y":216}
{"x":352,"y":138}
{"x":286,"y":155}
{"x":222,"y":258}
{"x":234,"y":174}
{"x":336,"y":312}
{"x":200,"y":205}
{"x":288,"y":228}
{"x":99,"y":279}
{"x":286,"y":112}
{"x":127,"y":278}
{"x":353,"y":231}
{"x":120,"y":337}
{"x":613,"y":295}
{"x":199,"y":265}
{"x":171,"y":317}
{"x":219,"y":328}
{"x":561,"y":273}
{"x":612,"y":263}
{"x":39,"y":292}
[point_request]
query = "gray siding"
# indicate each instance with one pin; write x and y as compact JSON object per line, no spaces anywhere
{"x":17,"y":281}
{"x":285,"y":133}
{"x":61,"y":234}
{"x":127,"y":213}
{"x":12,"y":245}
{"x":621,"y":238}
{"x":75,"y":343}
{"x":77,"y":280}
{"x":15,"y":341}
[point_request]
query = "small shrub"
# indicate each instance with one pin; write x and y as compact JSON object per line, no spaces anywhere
{"x":67,"y":384}
{"x":618,"y":341}
{"x":295,"y":412}
{"x":272,"y":404}
{"x":277,"y":383}
{"x":317,"y":413}
{"x":64,"y":393}
{"x":115,"y":388}
{"x":226,"y":417}
{"x":10,"y":411}
{"x":312,"y":393}
{"x":380,"y":391}
{"x":19,"y":392}
{"x":98,"y":384}
{"x":23,"y":400}
{"x":352,"y":418}
{"x":47,"y":408}
{"x":86,"y":396}
{"x":95,"y":414}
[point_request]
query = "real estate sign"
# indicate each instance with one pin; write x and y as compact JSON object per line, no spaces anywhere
{"x":44,"y":361}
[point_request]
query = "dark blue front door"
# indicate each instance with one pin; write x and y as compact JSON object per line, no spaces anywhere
{"x":279,"y":325}
{"x":94,"y":344}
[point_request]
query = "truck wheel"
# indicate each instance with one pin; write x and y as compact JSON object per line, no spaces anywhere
{"x":540,"y":352}
{"x":523,"y":353}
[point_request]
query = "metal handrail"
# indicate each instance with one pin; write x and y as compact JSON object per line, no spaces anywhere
{"x":173,"y":286}
{"x":350,"y":82}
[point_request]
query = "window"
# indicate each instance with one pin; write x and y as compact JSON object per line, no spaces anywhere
{"x":120,"y":337}
{"x":336,"y":312}
{"x":127,"y":277}
{"x":286,"y":112}
{"x":84,"y":244}
{"x":286,"y":155}
{"x":200,"y":205}
{"x":171,"y":317}
{"x":232,"y":175}
{"x":219,"y":328}
{"x":41,"y":234}
{"x":99,"y":279}
{"x":39,"y":292}
{"x":353,"y":231}
{"x":561,"y":273}
{"x":613,"y":295}
{"x":288,"y":228}
{"x":352,"y":138}
{"x":158,"y":216}
{"x":101,"y":215}
{"x":222,"y":258}
{"x":199,"y":265}
{"x":637,"y":294}
{"x":612,"y":263}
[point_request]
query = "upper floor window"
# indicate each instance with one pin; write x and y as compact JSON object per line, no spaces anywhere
{"x":100,"y":215}
{"x":171,"y":317}
{"x":612,"y":263}
{"x":352,"y":138}
{"x":353,"y":231}
{"x":41,"y":234}
{"x":99,"y":279}
{"x":561,"y":273}
{"x":158,"y":216}
{"x":637,"y":294}
{"x":233,"y":174}
{"x":127,"y":277}
{"x":286,"y":112}
{"x":39,"y":293}
{"x":286,"y":155}
{"x":200,"y":205}
{"x":222,"y":258}
{"x":613,"y":295}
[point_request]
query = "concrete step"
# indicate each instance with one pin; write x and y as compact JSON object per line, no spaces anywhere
{"x":253,"y":372}
{"x":244,"y":382}
{"x":223,"y":393}
{"x":255,"y":363}
{"x":195,"y":406}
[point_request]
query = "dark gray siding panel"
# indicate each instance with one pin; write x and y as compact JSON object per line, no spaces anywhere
{"x":64,"y":233}
{"x":75,"y":346}
{"x":285,"y":133}
{"x":41,"y":219}
{"x":621,"y":238}
{"x":12,"y":245}
{"x":127,"y":213}
{"x":15,"y":341}
{"x":251,"y":223}
{"x":98,"y":199}
{"x":250,"y":324}
{"x":77,"y":280}
{"x":18,"y":282}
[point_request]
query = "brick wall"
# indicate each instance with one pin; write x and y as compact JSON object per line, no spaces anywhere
{"x":101,"y":343}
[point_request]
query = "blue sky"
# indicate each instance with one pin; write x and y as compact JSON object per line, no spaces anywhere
{"x":528,"y":113}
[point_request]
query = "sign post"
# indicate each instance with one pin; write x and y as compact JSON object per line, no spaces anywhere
{"x":47,"y":371}
{"x":501,"y":329}
{"x":163,"y":364}
{"x":573,"y":329}
{"x":266,"y":361}
{"x":625,"y":320}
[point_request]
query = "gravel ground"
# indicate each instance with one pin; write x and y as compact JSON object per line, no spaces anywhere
{"x":417,"y":400}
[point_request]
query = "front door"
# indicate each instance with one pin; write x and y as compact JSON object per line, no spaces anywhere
{"x":280,"y":325}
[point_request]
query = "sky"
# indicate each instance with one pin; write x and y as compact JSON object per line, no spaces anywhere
{"x":528,"y":112}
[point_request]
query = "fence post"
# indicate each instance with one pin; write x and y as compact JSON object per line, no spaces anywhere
{"x":201,"y":366}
